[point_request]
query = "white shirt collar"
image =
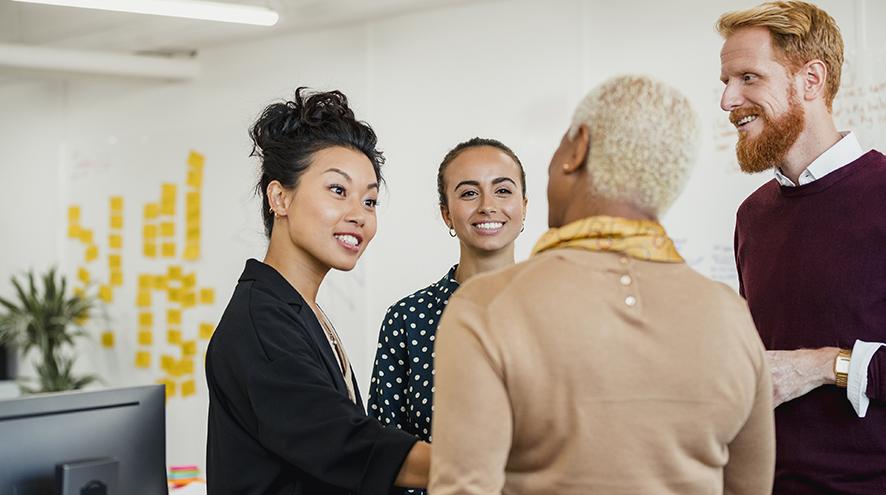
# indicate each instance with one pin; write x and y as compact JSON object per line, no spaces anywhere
{"x":843,"y":152}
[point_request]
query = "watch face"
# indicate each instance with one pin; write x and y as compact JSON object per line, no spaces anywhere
{"x":842,"y":365}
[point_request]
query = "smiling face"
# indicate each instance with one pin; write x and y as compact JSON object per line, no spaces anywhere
{"x":485,"y":204}
{"x":329,"y":216}
{"x":761,"y":98}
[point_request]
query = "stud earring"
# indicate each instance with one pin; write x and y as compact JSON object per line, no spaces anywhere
{"x":566,"y":167}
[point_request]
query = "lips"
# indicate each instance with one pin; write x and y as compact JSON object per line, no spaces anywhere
{"x":348,"y":240}
{"x":744,"y":116}
{"x":488,"y":227}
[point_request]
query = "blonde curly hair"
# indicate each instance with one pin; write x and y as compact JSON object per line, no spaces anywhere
{"x":643,"y":140}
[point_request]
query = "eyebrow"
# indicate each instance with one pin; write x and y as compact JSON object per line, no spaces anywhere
{"x":495,"y":181}
{"x":373,"y":185}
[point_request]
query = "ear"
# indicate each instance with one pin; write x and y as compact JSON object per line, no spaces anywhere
{"x":278,"y":198}
{"x":815,"y":74}
{"x":447,"y":218}
{"x":578,"y":153}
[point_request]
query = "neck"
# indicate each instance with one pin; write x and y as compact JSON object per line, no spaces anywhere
{"x":812,"y":142}
{"x":303,"y":272}
{"x":471,"y":262}
{"x":595,"y":206}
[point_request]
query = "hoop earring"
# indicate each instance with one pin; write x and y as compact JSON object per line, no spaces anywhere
{"x":451,"y":232}
{"x":522,"y":227}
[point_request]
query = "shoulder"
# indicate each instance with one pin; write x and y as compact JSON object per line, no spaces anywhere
{"x":486,"y":288}
{"x":760,"y":199}
{"x":257,"y":320}
{"x":435,"y":294}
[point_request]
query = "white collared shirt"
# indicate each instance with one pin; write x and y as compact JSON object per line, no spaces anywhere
{"x":843,"y":152}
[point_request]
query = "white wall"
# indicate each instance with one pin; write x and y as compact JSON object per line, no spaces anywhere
{"x":509,"y":70}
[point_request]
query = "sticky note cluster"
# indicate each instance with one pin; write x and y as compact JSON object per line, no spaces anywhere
{"x":192,"y":206}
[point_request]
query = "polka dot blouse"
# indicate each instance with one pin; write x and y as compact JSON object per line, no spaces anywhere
{"x":402,"y":388}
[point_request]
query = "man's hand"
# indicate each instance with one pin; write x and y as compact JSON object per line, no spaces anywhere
{"x":796,"y":373}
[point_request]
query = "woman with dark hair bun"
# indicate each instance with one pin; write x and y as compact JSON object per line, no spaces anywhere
{"x":285,"y":414}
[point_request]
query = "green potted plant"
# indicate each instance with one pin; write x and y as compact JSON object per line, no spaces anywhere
{"x":46,"y":322}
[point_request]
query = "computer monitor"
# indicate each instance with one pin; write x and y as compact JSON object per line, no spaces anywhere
{"x":126,"y":425}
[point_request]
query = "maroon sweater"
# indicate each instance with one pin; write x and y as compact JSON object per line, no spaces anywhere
{"x":812,"y":266}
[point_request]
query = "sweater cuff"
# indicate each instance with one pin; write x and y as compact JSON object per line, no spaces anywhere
{"x":390,"y":451}
{"x":856,"y":389}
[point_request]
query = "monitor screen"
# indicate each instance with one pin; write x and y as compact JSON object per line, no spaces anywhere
{"x":126,"y":425}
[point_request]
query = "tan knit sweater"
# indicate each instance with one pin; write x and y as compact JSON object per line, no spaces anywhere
{"x":581,"y":372}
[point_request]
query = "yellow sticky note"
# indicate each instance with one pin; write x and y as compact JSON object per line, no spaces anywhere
{"x":195,"y":160}
{"x":117,"y":278}
{"x":116,"y":222}
{"x":167,"y":199}
{"x":188,"y":299}
{"x":192,"y":229}
{"x":86,"y":236}
{"x":161,"y":282}
{"x":83,"y":275}
{"x":195,"y":178}
{"x":143,"y":299}
{"x":74,"y":231}
{"x":79,"y":291}
{"x":174,"y":316}
{"x":145,"y":337}
{"x":170,"y":387}
{"x":191,"y":252}
{"x":114,"y":261}
{"x":82,"y":319}
{"x":91,"y":253}
{"x":105,"y":293}
{"x":152,"y":211}
{"x":167,"y":249}
{"x":167,"y":229}
{"x":167,"y":362}
{"x":150,"y":250}
{"x":174,"y":272}
{"x":174,"y":295}
{"x":145,"y":319}
{"x":207,"y":296}
{"x":186,"y":367}
{"x":189,"y":347}
{"x":189,"y":388}
{"x":116,"y":203}
{"x":115,"y":241}
{"x":192,"y":200}
{"x":206,"y":330}
{"x":143,"y":359}
{"x":145,"y":281}
{"x":73,"y":215}
{"x":174,"y":336}
{"x":108,"y":339}
{"x":189,"y":280}
{"x":149,"y":232}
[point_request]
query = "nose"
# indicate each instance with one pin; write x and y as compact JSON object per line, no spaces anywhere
{"x":731,"y":98}
{"x":357,"y":214}
{"x":487,"y":206}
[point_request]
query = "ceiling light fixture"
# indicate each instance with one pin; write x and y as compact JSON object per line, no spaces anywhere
{"x":189,"y":9}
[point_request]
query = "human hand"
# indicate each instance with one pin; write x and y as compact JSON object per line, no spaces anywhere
{"x":796,"y":373}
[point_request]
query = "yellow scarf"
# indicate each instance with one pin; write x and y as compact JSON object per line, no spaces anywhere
{"x":640,"y":239}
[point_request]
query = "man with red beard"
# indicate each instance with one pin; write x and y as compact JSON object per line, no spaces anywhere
{"x":808,"y":247}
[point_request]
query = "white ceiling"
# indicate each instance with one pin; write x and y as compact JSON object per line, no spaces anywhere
{"x":112,"y":32}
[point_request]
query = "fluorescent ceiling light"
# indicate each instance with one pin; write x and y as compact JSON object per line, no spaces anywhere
{"x":190,"y":9}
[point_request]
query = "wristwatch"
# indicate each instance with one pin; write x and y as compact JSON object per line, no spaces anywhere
{"x":841,"y":367}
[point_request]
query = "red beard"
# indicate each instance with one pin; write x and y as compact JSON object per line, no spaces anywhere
{"x":770,"y":147}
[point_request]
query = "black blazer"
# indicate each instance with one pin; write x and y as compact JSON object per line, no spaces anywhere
{"x":280,"y":421}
